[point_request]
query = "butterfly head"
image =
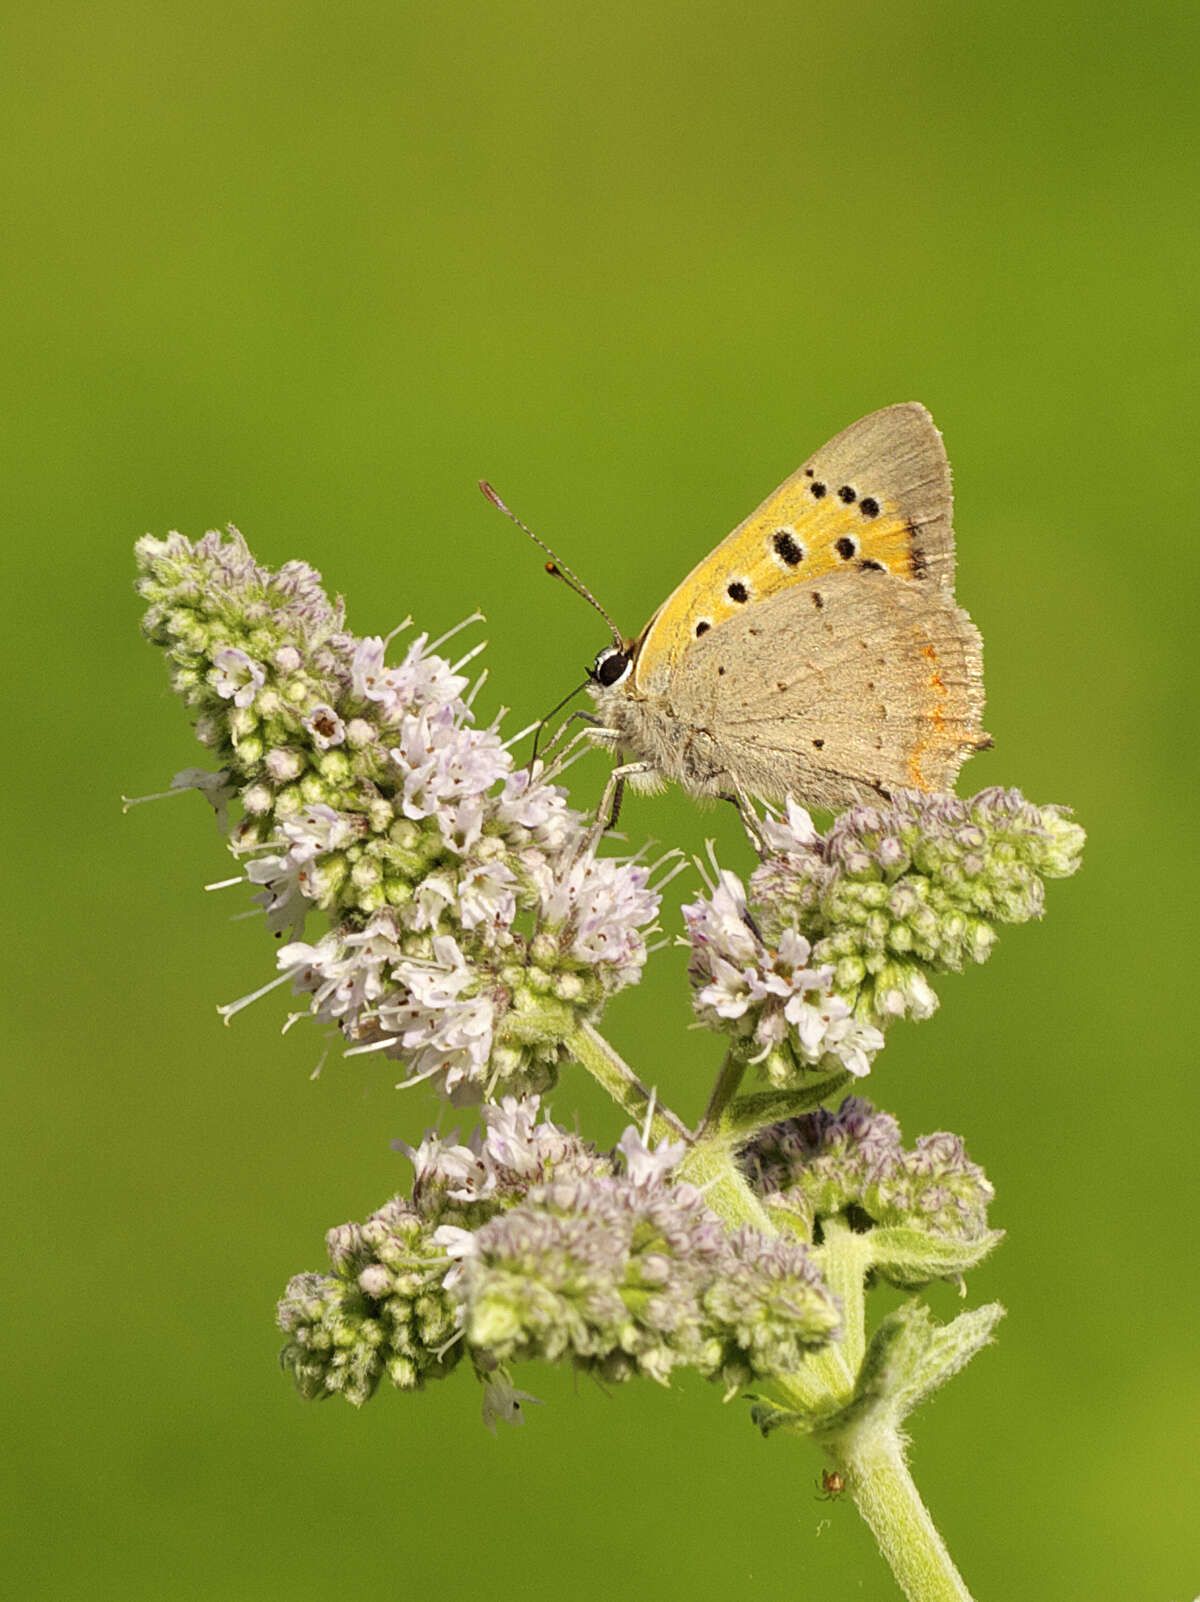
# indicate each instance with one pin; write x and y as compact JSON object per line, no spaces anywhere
{"x":612,"y":666}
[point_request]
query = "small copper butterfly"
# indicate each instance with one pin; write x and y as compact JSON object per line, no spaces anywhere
{"x":818,"y":651}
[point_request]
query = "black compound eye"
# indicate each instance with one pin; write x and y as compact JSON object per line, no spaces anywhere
{"x":612,"y":665}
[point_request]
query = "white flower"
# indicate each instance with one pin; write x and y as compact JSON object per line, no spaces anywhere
{"x":441,"y":1030}
{"x":217,"y":789}
{"x":539,"y":808}
{"x":283,"y":896}
{"x":599,"y":907}
{"x":728,"y":990}
{"x":423,"y":680}
{"x":827,"y":1028}
{"x":790,"y":834}
{"x":237,"y":677}
{"x":486,"y":896}
{"x":458,"y":1170}
{"x":459,"y":1246}
{"x":420,"y":680}
{"x":515,"y":1141}
{"x":441,"y":761}
{"x":646,"y":1167}
{"x":769,"y":996}
{"x":318,"y":829}
{"x":324,"y":727}
{"x":718,"y":927}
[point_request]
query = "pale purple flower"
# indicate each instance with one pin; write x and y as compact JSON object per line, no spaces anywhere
{"x":719,"y":923}
{"x":769,"y":996}
{"x":324,"y":727}
{"x":644,"y":1166}
{"x":237,"y":677}
{"x":598,"y":908}
{"x":525,"y":803}
{"x":425,"y":679}
{"x":792,"y":833}
{"x":441,"y":1026}
{"x":514,"y":1140}
{"x":368,"y":793}
{"x":441,"y":761}
{"x":421,"y":680}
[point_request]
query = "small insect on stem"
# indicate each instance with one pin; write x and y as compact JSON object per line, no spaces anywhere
{"x":831,"y":1485}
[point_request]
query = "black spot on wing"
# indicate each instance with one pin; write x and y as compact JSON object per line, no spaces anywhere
{"x":787,"y":548}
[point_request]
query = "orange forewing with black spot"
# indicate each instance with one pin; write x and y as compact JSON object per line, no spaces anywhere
{"x":876,"y":497}
{"x":818,"y":652}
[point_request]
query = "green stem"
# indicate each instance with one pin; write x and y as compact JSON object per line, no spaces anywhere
{"x":747,"y":1114}
{"x":868,"y":1451}
{"x":844,"y":1259}
{"x":610,"y":1070}
{"x":877,"y":1477}
{"x":710,"y":1167}
{"x":729,"y":1078}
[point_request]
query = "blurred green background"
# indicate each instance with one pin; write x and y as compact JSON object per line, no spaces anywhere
{"x":315,"y":270}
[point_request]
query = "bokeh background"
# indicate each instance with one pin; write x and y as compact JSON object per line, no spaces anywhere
{"x":315,"y":270}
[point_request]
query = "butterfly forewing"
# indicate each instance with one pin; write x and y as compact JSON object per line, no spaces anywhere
{"x":875,"y":498}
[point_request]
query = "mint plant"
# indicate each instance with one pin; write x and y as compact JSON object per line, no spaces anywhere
{"x":446,"y":908}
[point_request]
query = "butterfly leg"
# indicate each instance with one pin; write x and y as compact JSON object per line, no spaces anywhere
{"x":544,"y":722}
{"x":609,"y":809}
{"x":563,"y":759}
{"x":559,"y":733}
{"x":748,"y":815}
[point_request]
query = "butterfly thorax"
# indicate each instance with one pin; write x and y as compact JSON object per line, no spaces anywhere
{"x":651,"y":726}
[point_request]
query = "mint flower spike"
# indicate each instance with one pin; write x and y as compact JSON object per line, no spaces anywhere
{"x":526,"y":1241}
{"x":779,"y":1003}
{"x":920,"y":1214}
{"x":470,"y":932}
{"x":388,"y":1310}
{"x":839,"y":935}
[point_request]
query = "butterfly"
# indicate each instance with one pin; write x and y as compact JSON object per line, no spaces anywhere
{"x":818,"y":650}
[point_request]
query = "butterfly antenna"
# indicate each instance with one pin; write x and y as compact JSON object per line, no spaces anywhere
{"x":554,"y":567}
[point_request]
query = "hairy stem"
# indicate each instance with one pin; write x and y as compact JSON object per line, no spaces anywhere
{"x":610,"y":1070}
{"x":878,"y":1479}
{"x":729,"y":1077}
{"x":711,"y":1168}
{"x":844,"y":1259}
{"x":745,"y":1115}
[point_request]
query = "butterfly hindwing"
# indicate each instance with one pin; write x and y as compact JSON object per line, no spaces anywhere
{"x":853,"y":687}
{"x":876,"y":497}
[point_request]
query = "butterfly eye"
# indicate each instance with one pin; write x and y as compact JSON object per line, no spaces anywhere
{"x":612,"y":665}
